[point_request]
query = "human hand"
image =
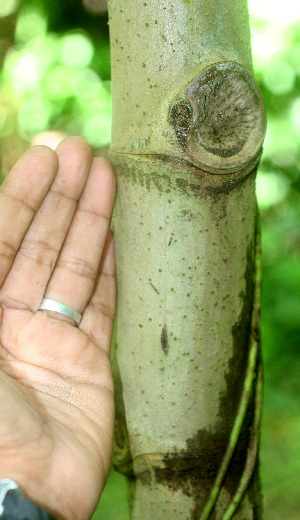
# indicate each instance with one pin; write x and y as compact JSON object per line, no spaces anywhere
{"x":56,"y":387}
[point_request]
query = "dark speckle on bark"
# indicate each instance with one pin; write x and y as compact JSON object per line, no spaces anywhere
{"x":154,"y":288}
{"x":164,"y":340}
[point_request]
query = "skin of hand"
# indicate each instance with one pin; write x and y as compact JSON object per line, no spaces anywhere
{"x":56,"y":386}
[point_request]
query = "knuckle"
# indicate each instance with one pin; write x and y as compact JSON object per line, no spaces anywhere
{"x":7,"y":250}
{"x":79,"y":266}
{"x":104,"y":309}
{"x":40,"y":251}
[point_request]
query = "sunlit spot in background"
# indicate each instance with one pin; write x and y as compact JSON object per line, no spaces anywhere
{"x":24,"y":70}
{"x":266,"y":44}
{"x":87,"y":84}
{"x":277,"y":66}
{"x":279,"y":77}
{"x":295,"y":115}
{"x":30,"y":24}
{"x":90,"y":104}
{"x":77,"y":50}
{"x":271,"y":188}
{"x":54,"y":84}
{"x":96,"y":130}
{"x":8,"y":7}
{"x":281,"y":145}
{"x":275,"y":12}
{"x":57,"y":83}
{"x":33,"y":116}
{"x":294,"y":58}
{"x":47,"y":50}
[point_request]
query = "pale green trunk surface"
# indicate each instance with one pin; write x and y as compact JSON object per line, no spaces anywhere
{"x":185,"y":240}
{"x":157,"y":48}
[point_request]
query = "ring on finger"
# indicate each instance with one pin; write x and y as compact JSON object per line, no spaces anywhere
{"x":52,"y":305}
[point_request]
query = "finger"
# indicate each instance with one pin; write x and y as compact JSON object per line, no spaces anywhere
{"x":21,"y":194}
{"x":97,"y":319}
{"x":73,"y":279}
{"x":35,"y":261}
{"x":51,"y":138}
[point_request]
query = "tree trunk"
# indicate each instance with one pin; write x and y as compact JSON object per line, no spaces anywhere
{"x":188,"y":125}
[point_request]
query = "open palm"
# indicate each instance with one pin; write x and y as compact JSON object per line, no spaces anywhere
{"x":56,"y":388}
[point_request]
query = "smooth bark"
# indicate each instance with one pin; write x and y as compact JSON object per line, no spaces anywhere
{"x":188,"y":124}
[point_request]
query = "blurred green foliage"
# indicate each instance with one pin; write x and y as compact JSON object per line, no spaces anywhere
{"x":56,"y":76}
{"x":276,"y":54}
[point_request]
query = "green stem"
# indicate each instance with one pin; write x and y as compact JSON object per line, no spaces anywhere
{"x":245,"y":398}
{"x":252,"y":451}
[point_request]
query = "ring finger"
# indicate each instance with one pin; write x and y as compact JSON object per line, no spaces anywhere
{"x":73,"y":280}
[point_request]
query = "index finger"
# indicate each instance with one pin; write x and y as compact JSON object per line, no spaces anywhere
{"x":21,"y":194}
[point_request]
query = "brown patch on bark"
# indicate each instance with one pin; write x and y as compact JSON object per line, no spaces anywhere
{"x":240,"y":333}
{"x":167,"y":174}
{"x":145,"y":477}
{"x":195,"y":469}
{"x":181,"y":118}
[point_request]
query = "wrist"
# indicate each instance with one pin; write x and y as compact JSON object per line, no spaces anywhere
{"x":32,"y":481}
{"x":15,"y":505}
{"x":31,"y":488}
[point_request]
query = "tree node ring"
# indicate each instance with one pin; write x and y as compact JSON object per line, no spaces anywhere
{"x":220,"y":123}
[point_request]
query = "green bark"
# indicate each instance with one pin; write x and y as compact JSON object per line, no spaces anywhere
{"x":188,"y":124}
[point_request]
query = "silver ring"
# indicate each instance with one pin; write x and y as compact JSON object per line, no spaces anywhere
{"x":51,"y":305}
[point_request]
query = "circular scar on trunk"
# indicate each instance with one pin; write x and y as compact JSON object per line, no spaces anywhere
{"x":221,"y":123}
